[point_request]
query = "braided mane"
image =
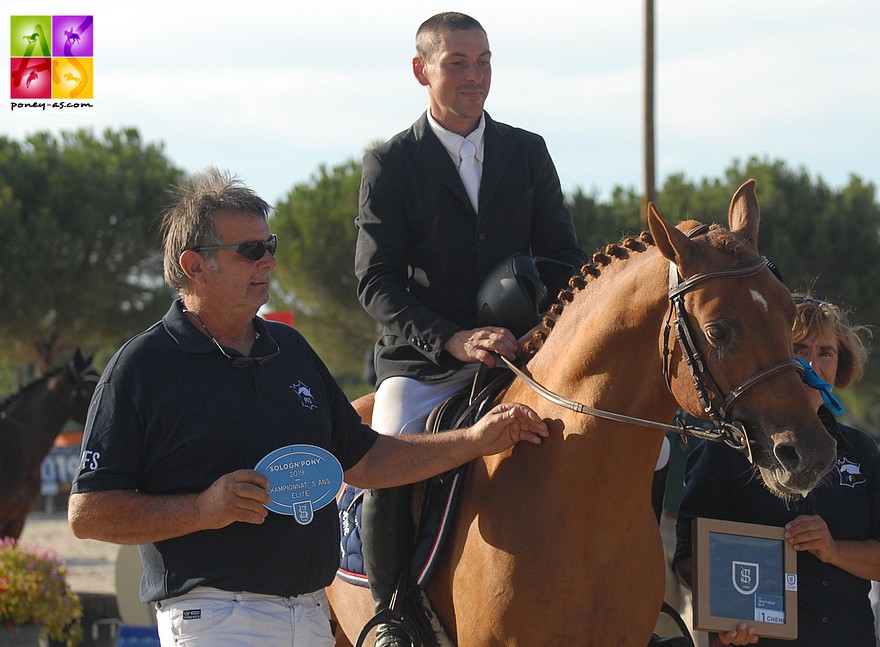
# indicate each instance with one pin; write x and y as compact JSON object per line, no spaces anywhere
{"x":587,"y":273}
{"x":719,"y":238}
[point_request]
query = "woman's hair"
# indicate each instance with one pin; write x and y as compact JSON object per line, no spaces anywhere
{"x":813,"y":313}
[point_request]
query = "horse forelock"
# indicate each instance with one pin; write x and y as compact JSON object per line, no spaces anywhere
{"x":588,"y":273}
{"x":729,"y":242}
{"x":715,"y":248}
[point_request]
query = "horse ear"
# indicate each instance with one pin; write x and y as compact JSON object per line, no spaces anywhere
{"x":81,"y":361}
{"x":745,"y":214}
{"x":671,"y":242}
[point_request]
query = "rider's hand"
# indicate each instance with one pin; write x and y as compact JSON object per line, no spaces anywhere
{"x":479,"y":344}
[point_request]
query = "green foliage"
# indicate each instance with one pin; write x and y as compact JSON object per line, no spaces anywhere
{"x":598,"y":224}
{"x":315,"y":273}
{"x":34,"y":590}
{"x":79,"y":265}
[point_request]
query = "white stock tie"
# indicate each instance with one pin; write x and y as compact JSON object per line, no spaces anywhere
{"x":469,"y":171}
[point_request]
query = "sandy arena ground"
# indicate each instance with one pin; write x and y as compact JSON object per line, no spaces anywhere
{"x":91,"y":563}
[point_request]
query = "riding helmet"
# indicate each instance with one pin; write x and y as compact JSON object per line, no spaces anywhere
{"x":511,"y":295}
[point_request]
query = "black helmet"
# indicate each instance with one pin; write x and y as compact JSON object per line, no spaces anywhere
{"x":512,"y":295}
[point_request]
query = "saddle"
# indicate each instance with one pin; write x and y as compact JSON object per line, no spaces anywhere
{"x":434,"y":501}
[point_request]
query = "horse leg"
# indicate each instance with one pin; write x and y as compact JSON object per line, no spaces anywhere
{"x":12,"y":520}
{"x":15,"y":527}
{"x":14,"y":508}
{"x":352,"y":606}
{"x":341,"y":639}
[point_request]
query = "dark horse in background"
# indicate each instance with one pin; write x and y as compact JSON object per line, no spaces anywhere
{"x":30,"y":420}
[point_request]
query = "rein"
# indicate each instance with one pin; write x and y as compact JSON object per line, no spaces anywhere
{"x":731,"y":432}
{"x":725,"y":431}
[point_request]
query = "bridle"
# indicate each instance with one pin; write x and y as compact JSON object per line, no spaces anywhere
{"x":80,"y":379}
{"x":731,"y":432}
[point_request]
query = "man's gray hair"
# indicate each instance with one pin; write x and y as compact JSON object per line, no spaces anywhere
{"x":190,"y":220}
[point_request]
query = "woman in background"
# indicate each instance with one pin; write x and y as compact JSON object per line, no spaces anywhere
{"x":835,"y":529}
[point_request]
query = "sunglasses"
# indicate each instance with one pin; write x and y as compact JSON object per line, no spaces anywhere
{"x":253,"y":250}
{"x":240,"y":361}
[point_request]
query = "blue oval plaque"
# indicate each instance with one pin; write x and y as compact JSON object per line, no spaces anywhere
{"x":302,"y":479}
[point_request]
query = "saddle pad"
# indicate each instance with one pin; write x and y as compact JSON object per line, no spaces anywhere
{"x":436,"y":523}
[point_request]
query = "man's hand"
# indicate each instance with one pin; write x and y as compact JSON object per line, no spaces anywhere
{"x":506,"y":425}
{"x":238,"y":496}
{"x":479,"y":344}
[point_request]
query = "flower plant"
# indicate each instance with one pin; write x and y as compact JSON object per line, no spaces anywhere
{"x":34,"y":590}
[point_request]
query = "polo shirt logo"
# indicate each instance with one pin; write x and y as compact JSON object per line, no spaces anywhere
{"x":305,"y":395}
{"x":850,"y":473}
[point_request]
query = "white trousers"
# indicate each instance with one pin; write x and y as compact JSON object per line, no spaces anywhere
{"x":209,"y":616}
{"x":403,"y":404}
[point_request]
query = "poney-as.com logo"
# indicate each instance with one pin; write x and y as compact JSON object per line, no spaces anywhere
{"x":51,"y":58}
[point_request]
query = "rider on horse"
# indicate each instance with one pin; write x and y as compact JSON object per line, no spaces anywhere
{"x":426,"y":243}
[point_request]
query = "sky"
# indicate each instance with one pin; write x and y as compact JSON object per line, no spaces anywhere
{"x":273,"y":90}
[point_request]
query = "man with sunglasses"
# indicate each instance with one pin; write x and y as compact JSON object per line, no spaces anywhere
{"x":187,"y":415}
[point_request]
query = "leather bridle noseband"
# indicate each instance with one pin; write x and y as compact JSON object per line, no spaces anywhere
{"x":731,"y":432}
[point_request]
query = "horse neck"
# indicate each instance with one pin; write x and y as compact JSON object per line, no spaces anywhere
{"x":39,"y":411}
{"x":611,"y":327}
{"x":604,"y":349}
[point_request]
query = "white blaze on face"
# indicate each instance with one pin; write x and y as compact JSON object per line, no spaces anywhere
{"x":759,"y":298}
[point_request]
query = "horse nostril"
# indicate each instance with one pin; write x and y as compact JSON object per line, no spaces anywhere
{"x":788,"y":456}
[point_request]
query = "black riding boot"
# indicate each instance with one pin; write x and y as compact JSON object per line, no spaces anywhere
{"x":386,"y":532}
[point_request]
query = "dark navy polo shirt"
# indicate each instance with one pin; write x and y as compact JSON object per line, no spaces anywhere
{"x":171,"y":415}
{"x":833,"y":605}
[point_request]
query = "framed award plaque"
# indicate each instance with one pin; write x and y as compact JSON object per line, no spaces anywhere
{"x":744,"y":572}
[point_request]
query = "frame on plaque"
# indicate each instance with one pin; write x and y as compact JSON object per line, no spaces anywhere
{"x":744,"y":572}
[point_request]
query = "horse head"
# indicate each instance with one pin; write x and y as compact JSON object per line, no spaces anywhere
{"x":85,"y":377}
{"x":733,"y":318}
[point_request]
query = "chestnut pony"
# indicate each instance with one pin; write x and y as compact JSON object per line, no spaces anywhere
{"x":557,"y":544}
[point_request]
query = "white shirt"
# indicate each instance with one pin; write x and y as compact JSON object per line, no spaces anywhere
{"x":452,"y":141}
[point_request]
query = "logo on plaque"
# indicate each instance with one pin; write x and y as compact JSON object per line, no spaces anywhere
{"x":745,"y":577}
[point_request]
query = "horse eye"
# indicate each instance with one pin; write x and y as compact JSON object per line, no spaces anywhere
{"x":715,"y":333}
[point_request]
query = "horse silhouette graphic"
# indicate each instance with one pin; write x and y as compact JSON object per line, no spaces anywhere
{"x":32,"y":39}
{"x":72,"y":36}
{"x":33,"y":76}
{"x":70,"y":77}
{"x":305,"y":395}
{"x":850,"y":473}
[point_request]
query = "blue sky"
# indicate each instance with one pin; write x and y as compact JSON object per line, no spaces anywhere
{"x":272,"y":90}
